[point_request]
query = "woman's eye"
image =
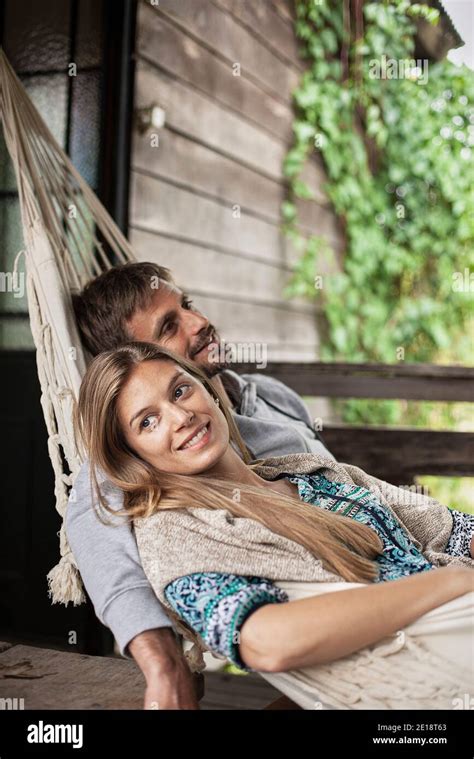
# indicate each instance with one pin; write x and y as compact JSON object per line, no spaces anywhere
{"x":182,"y":389}
{"x":149,"y":422}
{"x":187,"y":304}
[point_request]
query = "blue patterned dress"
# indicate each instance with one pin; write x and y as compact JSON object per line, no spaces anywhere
{"x":215,"y":605}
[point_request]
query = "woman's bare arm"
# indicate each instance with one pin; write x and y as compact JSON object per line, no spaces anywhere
{"x":319,"y":629}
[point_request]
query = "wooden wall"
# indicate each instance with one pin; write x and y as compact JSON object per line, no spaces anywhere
{"x":222,"y":146}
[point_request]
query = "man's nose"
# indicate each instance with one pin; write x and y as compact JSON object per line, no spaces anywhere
{"x":196,"y":322}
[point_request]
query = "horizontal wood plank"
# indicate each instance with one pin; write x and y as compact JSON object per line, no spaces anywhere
{"x":165,"y":45}
{"x":200,"y":117}
{"x":406,"y":381}
{"x":204,"y":170}
{"x":264,"y":326}
{"x":286,"y":10}
{"x":399,"y":455}
{"x":218,"y":30}
{"x":161,"y":207}
{"x":262,"y":20}
{"x":206,"y":270}
{"x":203,"y":120}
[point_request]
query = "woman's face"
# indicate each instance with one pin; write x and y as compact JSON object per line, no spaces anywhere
{"x":169,"y":419}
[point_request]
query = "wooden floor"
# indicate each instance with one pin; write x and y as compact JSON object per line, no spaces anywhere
{"x":223,"y":691}
{"x":43,"y":678}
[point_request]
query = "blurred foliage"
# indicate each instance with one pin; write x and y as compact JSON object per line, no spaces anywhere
{"x":455,"y":492}
{"x":232,"y":669}
{"x":398,"y":155}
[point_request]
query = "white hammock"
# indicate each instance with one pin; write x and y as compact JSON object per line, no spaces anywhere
{"x":63,"y":223}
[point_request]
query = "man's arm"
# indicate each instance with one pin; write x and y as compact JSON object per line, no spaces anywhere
{"x":285,"y":400}
{"x":169,"y":682}
{"x":123,"y":599}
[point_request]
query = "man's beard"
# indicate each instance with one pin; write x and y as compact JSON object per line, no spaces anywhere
{"x":214,"y":367}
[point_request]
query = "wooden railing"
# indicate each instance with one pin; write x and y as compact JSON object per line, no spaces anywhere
{"x":392,"y":453}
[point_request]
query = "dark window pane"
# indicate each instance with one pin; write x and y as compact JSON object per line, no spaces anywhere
{"x":89,"y":34}
{"x":15,"y":334}
{"x":7,"y":175}
{"x":49,"y":93}
{"x":37,"y":34}
{"x":12,"y":293}
{"x":37,"y":40}
{"x":85,"y":125}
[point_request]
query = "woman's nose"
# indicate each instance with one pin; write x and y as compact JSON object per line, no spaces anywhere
{"x":181,"y":417}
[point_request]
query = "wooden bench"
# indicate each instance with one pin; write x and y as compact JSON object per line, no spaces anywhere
{"x":45,"y":678}
{"x":394,"y":454}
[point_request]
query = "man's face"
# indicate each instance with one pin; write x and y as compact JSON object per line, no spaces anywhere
{"x":171,"y":322}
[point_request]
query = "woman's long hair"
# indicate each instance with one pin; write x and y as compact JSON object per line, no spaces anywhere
{"x":344,"y":546}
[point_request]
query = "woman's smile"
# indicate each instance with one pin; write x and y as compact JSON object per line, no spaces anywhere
{"x":197,"y":439}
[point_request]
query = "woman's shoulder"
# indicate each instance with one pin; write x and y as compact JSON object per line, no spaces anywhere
{"x":295,"y":463}
{"x":165,"y":523}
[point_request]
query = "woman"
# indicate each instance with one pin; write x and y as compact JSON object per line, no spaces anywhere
{"x":329,"y":582}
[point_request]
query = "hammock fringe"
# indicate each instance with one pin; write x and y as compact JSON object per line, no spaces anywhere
{"x":65,"y":584}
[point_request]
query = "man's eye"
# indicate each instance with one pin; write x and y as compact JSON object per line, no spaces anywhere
{"x":186,"y":303}
{"x":168,"y":328}
{"x":149,"y":423}
{"x":182,"y":389}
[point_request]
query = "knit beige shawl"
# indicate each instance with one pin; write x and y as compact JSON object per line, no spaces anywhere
{"x":173,"y":543}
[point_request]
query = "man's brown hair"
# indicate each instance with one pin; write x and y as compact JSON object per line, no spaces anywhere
{"x":107,"y":302}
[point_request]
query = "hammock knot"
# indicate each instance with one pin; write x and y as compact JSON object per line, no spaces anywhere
{"x":63,"y":392}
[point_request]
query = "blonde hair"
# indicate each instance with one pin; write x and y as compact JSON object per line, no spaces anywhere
{"x":344,"y":546}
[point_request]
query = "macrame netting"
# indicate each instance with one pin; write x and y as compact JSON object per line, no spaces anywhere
{"x":66,"y":231}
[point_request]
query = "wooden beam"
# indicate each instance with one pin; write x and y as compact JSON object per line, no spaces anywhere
{"x":398,"y":455}
{"x":341,"y":380}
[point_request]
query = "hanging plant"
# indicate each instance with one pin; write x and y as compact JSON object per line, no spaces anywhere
{"x":397,"y":144}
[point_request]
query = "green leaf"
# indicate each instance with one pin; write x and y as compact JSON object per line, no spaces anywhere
{"x":303,"y":131}
{"x":288,"y":211}
{"x":302,"y":190}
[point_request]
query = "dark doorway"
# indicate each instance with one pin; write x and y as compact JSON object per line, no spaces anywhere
{"x":88,"y":109}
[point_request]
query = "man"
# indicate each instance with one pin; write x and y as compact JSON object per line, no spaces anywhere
{"x":139,"y":301}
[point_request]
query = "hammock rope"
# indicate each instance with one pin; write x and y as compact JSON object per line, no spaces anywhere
{"x":65,"y":228}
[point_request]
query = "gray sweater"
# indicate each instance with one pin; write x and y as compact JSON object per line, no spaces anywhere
{"x":273,"y":421}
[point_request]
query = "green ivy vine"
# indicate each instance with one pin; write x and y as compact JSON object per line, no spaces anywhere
{"x":398,"y":155}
